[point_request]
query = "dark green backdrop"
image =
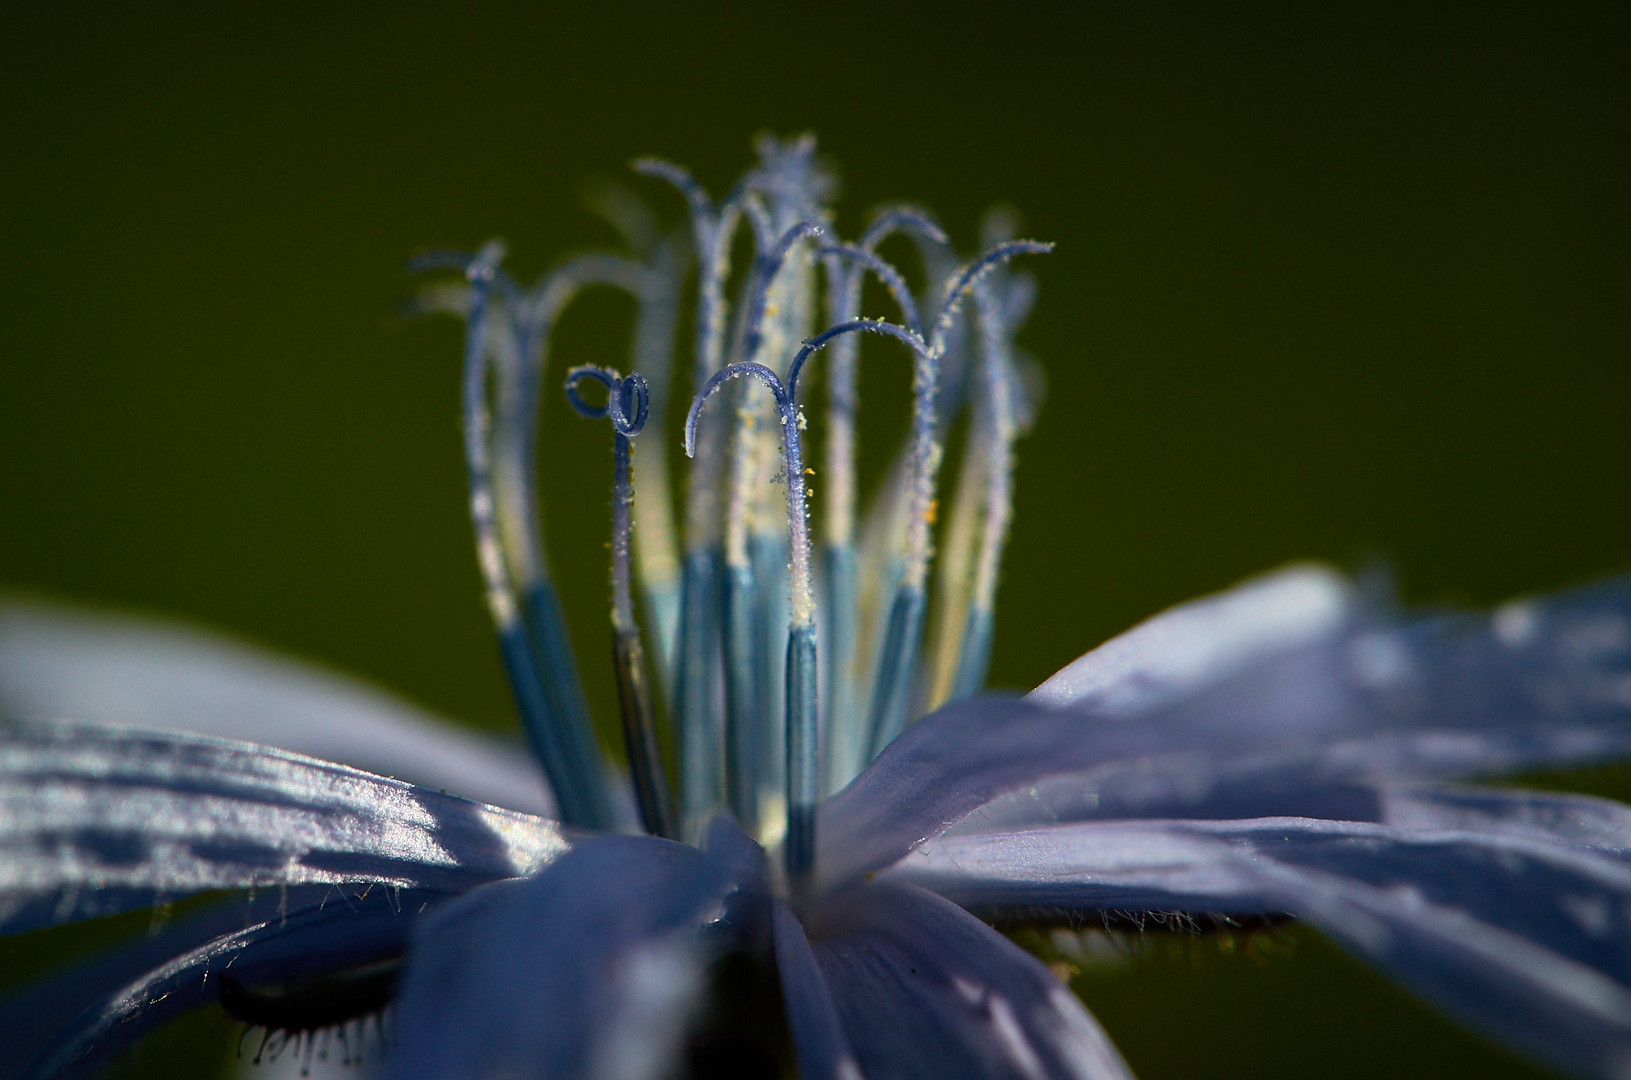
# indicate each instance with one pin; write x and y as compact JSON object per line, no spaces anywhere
{"x":1351,"y":285}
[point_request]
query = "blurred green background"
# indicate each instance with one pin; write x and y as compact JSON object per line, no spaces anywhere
{"x":1350,"y":284}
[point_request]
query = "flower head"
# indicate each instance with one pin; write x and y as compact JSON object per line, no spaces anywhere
{"x":1284,"y":748}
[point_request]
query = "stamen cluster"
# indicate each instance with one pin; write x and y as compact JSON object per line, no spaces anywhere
{"x":760,"y":731}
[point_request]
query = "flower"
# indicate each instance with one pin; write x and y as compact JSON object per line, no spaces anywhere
{"x":1288,"y":747}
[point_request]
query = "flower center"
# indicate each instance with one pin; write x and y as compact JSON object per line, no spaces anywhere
{"x":781,"y":677}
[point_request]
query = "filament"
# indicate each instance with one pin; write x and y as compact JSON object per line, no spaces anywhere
{"x":568,"y":761}
{"x":801,"y":707}
{"x":628,"y":404}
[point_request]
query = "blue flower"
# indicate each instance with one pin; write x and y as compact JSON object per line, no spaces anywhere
{"x":843,"y":812}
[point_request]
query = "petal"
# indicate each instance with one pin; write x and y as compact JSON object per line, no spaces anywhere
{"x":95,"y":820}
{"x":1185,"y":648}
{"x":592,"y":969}
{"x":822,"y":1048}
{"x":62,"y":663}
{"x":321,"y":939}
{"x":1532,"y":945}
{"x":1207,"y":865}
{"x":1509,"y":909}
{"x":33,"y":1011}
{"x":924,"y":989}
{"x":1091,"y":866}
{"x":743,"y":921}
{"x":1538,"y":683}
{"x":935,"y":773}
{"x":1045,"y":764}
{"x":1562,"y":656}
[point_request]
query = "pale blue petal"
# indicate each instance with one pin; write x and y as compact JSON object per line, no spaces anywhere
{"x":1510,"y":909}
{"x":591,"y":969}
{"x":338,"y":935}
{"x":939,"y":770}
{"x":1528,"y":943}
{"x":1541,"y":683}
{"x":1566,"y":655}
{"x":819,"y":1041}
{"x":1534,"y":682}
{"x":924,"y":989}
{"x":1053,"y":870}
{"x":61,"y":663}
{"x":1206,"y":864}
{"x":95,"y":820}
{"x":1184,"y":649}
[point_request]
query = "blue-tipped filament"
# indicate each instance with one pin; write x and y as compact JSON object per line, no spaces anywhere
{"x":532,"y":649}
{"x":803,"y":780}
{"x":845,"y":267}
{"x":697,"y":689}
{"x":628,"y":404}
{"x":755,"y":736}
{"x":754,"y":553}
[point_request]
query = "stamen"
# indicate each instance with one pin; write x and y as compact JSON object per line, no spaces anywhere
{"x":792,"y":185}
{"x":801,"y":708}
{"x":843,"y":303}
{"x":904,"y":621}
{"x":656,"y":546}
{"x":891,"y":278}
{"x":578,"y":786}
{"x":514,"y":455}
{"x":627,"y":213}
{"x":1011,"y":414}
{"x":746,"y":626}
{"x":969,"y":572}
{"x":744,"y":694}
{"x":628,"y":404}
{"x":712,"y":231}
{"x":897,"y":658}
{"x":701,"y":206}
{"x":742,"y":691}
{"x":954,"y":577}
{"x":519,"y":387}
{"x":791,"y":175}
{"x":961,"y":285}
{"x":907,"y":219}
{"x":750,"y":670}
{"x":698,"y":721}
{"x":716,"y":606}
{"x":974,"y":536}
{"x":758,"y":218}
{"x":842,"y":748}
{"x":663,"y":261}
{"x":498,"y":279}
{"x":769,"y":265}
